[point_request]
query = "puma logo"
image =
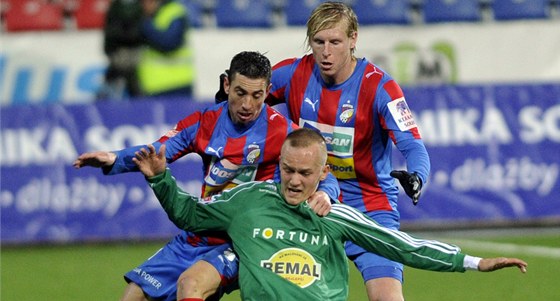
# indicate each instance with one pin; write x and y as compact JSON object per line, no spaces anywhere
{"x":372,"y":73}
{"x":215,"y":151}
{"x":311,"y":103}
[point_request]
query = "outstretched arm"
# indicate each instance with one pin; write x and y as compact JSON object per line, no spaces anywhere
{"x":95,"y":159}
{"x":493,"y":264}
{"x":412,"y":251}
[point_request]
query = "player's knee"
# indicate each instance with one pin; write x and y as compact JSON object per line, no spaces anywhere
{"x":195,"y":285}
{"x":189,"y":285}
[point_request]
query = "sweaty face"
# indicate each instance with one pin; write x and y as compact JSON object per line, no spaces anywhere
{"x":301,"y":169}
{"x":332,"y":51}
{"x":246,"y":97}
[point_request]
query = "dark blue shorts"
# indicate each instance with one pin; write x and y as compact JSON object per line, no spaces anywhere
{"x":373,"y":266}
{"x":158,"y":275}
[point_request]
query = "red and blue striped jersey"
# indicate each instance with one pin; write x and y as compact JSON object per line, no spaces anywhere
{"x":231,"y":154}
{"x":360,"y":118}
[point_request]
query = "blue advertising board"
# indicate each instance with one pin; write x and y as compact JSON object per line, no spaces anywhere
{"x":494,"y":149}
{"x":44,"y":198}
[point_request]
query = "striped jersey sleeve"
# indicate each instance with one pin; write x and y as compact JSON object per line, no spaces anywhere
{"x":393,"y":244}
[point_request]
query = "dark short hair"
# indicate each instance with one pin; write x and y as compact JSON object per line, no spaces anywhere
{"x":251,"y":64}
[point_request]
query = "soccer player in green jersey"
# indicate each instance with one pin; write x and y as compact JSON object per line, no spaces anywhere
{"x":285,"y":250}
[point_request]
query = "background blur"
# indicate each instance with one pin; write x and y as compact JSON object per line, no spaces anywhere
{"x":482,"y":77}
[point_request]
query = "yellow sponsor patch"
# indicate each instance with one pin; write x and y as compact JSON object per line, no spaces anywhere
{"x":342,"y":168}
{"x":295,"y":265}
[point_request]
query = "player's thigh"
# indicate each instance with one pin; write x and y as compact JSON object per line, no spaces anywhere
{"x":226,"y":264}
{"x":157,"y":276}
{"x":215,"y":272}
{"x":202,"y":278}
{"x":373,"y":266}
{"x":133,"y":292}
{"x":384,"y":289}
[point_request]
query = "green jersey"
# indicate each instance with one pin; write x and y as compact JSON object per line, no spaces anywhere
{"x":287,"y":252}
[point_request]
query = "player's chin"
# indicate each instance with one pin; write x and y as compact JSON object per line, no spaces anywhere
{"x":293,"y":197}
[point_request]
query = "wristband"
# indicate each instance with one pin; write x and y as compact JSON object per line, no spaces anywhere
{"x":471,"y":262}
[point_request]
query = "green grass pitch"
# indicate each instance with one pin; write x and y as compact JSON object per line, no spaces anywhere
{"x":94,"y":271}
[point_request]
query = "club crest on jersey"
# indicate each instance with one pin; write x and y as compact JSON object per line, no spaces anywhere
{"x":295,"y":265}
{"x":253,"y":153}
{"x":401,"y":114}
{"x":347,"y":112}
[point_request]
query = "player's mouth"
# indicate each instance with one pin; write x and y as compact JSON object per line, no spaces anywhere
{"x":293,"y":193}
{"x":294,"y":190}
{"x":326,"y":65}
{"x":245,"y":116}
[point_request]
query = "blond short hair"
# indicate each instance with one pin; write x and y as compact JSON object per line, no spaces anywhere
{"x":327,"y":15}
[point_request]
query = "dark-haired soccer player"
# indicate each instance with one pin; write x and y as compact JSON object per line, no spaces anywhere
{"x":239,"y":141}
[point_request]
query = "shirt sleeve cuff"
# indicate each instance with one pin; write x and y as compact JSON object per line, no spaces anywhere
{"x":157,"y":178}
{"x":471,"y":262}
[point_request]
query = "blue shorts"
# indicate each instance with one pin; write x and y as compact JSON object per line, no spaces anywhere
{"x":373,"y":266}
{"x":158,"y":275}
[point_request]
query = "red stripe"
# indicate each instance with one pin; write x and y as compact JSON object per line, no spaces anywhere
{"x":183,"y":124}
{"x":277,"y":129}
{"x":328,"y":106}
{"x":284,"y":63}
{"x":276,"y":97}
{"x":393,"y":90}
{"x":234,"y":149}
{"x":373,"y":196}
{"x":298,"y":83}
{"x":206,"y":129}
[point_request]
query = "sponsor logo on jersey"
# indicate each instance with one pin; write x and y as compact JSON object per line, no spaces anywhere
{"x":221,"y":172}
{"x":210,"y":150}
{"x":247,"y":174}
{"x":293,"y":236}
{"x":223,"y":175}
{"x":340,"y":143}
{"x":295,"y":265}
{"x":253,"y":153}
{"x":375,"y":71}
{"x":347,"y":112}
{"x":311,"y":103}
{"x":340,"y":140}
{"x":342,"y":168}
{"x":401,"y":114}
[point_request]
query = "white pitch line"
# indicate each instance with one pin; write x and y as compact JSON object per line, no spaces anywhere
{"x":547,"y":252}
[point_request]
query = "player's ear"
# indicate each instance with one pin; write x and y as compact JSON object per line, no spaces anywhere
{"x":226,"y":84}
{"x":353,"y":40}
{"x":325,"y":171}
